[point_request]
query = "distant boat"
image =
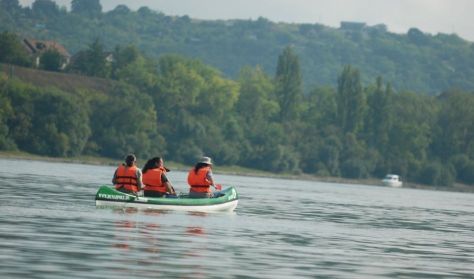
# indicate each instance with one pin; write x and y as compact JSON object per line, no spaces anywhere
{"x":392,"y":180}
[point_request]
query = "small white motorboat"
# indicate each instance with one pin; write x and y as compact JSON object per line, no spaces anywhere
{"x":392,"y":180}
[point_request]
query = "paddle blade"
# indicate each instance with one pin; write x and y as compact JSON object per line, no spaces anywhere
{"x":218,"y":187}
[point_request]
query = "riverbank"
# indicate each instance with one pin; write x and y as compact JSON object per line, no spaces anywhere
{"x":232,"y":170}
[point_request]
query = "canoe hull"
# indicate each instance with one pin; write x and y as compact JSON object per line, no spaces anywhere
{"x":109,"y":197}
{"x":227,"y":207}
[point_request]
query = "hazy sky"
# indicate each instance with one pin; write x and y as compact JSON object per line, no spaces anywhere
{"x":431,"y":16}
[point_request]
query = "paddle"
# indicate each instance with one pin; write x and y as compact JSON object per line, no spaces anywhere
{"x":218,"y":187}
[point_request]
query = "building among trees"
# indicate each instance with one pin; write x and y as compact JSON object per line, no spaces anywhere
{"x":37,"y":49}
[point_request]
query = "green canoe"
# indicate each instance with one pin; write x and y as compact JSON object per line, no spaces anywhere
{"x":226,"y":201}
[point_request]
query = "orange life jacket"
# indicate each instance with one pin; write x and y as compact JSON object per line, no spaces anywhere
{"x":126,"y":177}
{"x":152,"y":180}
{"x":198,"y":181}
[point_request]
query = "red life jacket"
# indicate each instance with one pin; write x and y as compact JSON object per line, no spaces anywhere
{"x":126,"y":177}
{"x":198,"y":181}
{"x":152,"y":180}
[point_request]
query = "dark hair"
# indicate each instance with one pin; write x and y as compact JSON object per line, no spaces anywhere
{"x":199,"y":166}
{"x":130,"y":159}
{"x":151,"y":164}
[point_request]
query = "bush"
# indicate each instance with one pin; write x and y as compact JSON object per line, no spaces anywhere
{"x":464,"y":168}
{"x":354,"y":168}
{"x":467,"y":175}
{"x":435,"y":173}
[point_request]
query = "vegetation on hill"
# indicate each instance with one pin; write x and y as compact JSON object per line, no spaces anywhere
{"x":414,"y":61}
{"x":182,"y":108}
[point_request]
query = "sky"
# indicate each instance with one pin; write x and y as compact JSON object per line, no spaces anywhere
{"x":430,"y":16}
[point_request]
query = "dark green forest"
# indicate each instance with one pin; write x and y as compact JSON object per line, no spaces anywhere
{"x":415,"y":61}
{"x":357,"y":123}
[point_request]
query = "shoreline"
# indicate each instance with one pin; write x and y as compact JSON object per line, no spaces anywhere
{"x":234,"y":170}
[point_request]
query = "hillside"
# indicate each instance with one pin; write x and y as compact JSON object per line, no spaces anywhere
{"x":66,"y":82}
{"x":414,"y":61}
{"x":182,"y":108}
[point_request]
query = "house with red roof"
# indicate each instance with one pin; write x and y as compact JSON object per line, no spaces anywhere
{"x":36,"y":48}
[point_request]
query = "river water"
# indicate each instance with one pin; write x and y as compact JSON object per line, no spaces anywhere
{"x":50,"y":228}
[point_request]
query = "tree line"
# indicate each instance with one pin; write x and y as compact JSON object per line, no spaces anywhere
{"x":182,"y":108}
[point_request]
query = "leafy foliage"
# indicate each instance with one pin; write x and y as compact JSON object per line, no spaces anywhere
{"x":11,"y":50}
{"x":51,"y":60}
{"x":46,"y":121}
{"x":92,"y":61}
{"x":415,"y":61}
{"x":182,"y":108}
{"x":125,"y":122}
{"x":88,"y":8}
{"x":288,"y":85}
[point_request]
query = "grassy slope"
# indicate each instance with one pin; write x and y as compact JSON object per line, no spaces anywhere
{"x":63,"y":81}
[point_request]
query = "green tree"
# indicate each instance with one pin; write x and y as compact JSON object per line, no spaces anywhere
{"x":464,"y":168}
{"x":435,"y":173}
{"x":88,"y":8}
{"x":139,"y":73}
{"x":357,"y":161}
{"x":350,"y":101}
{"x":120,"y":10}
{"x":191,"y":100}
{"x":379,"y":116}
{"x":315,"y":147}
{"x":45,"y":8}
{"x":455,"y":125}
{"x":60,"y":125}
{"x":176,"y":93}
{"x":47,"y":121}
{"x":12,"y":51}
{"x":288,"y":85}
{"x":6,"y":113}
{"x":256,"y":105}
{"x":11,"y":6}
{"x":378,"y":123}
{"x":51,"y":60}
{"x":123,"y":56}
{"x":256,"y":108}
{"x":411,"y":133}
{"x":330,"y":152}
{"x":124,"y":122}
{"x":91,"y":61}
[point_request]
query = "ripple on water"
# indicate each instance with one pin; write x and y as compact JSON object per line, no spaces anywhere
{"x":50,"y":228}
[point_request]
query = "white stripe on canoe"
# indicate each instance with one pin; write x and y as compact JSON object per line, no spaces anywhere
{"x":227,"y":206}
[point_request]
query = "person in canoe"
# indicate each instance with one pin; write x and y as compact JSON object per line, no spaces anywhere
{"x":128,"y":177}
{"x":155,"y":180}
{"x":200,"y":179}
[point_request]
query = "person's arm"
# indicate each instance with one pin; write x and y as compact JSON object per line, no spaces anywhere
{"x":210,"y":178}
{"x":167,"y":183}
{"x":139,"y":179}
{"x":114,"y":178}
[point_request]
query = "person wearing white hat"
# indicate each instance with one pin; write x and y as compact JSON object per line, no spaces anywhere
{"x":200,"y":179}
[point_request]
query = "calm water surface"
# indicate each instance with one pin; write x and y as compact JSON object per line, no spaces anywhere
{"x":50,"y":228}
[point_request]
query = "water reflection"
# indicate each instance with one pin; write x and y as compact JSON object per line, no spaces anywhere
{"x":196,"y":230}
{"x":161,"y":242}
{"x":148,"y":232}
